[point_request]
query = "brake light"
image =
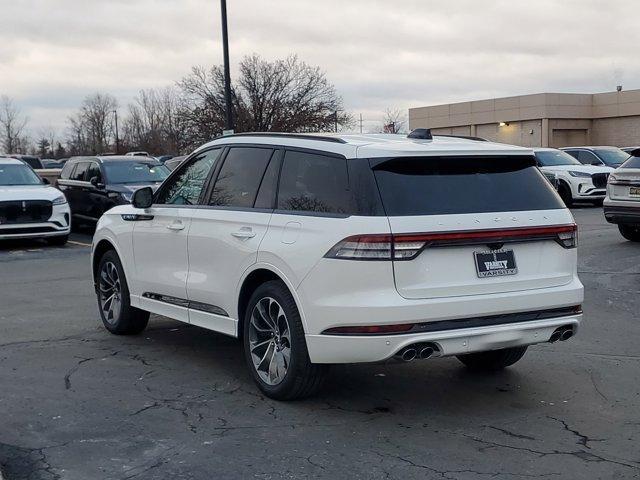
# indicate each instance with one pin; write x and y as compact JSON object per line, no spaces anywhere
{"x":407,"y":246}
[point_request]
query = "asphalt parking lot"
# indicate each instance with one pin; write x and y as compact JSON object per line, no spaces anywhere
{"x":177,"y":401}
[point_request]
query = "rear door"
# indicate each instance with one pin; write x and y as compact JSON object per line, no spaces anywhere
{"x":72,"y":188}
{"x":226,"y":232}
{"x":474,"y":225}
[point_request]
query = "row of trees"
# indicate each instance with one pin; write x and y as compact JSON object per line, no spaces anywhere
{"x":283,"y":95}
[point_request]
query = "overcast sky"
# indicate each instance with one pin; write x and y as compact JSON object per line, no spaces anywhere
{"x":379,"y":54}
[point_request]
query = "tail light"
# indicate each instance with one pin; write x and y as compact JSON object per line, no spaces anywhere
{"x":407,"y":246}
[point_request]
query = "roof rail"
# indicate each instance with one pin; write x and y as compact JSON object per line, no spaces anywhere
{"x":466,"y":137}
{"x":421,"y":134}
{"x":301,"y":136}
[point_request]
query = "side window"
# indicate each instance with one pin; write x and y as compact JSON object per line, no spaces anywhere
{"x":79,"y":173}
{"x":573,"y":153}
{"x":240,"y":176}
{"x":185,"y":187}
{"x":588,"y":158}
{"x":65,"y":174}
{"x":94,"y":171}
{"x":314,"y":183}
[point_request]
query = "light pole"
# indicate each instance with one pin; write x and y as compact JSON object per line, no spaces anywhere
{"x":227,"y":76}
{"x":115,"y":117}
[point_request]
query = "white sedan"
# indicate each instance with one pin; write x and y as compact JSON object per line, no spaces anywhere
{"x":576,"y":182}
{"x":29,"y":207}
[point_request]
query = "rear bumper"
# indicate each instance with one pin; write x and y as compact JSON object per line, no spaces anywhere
{"x":620,"y":214}
{"x":357,"y":349}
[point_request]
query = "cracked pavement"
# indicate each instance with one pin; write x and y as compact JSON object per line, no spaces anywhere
{"x":176,"y":402}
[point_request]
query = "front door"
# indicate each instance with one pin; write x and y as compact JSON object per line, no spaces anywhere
{"x":160,"y":240}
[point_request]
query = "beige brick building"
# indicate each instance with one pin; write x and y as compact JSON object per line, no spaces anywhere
{"x":540,"y":120}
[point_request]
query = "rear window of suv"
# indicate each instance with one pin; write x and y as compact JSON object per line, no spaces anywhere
{"x":455,"y":185}
{"x":633,"y":162}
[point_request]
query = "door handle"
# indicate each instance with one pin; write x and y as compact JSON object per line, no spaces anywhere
{"x":176,"y":226}
{"x":242,"y":233}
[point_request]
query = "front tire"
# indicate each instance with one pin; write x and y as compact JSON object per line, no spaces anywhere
{"x":116,"y":312}
{"x":494,"y":359}
{"x":565,"y":194}
{"x":630,"y":232}
{"x":275,"y":347}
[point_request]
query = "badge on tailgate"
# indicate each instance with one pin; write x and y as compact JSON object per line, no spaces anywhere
{"x":495,"y":263}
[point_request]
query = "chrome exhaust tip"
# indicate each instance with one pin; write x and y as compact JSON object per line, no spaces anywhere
{"x":555,"y":336}
{"x":566,"y":334}
{"x":426,"y":352}
{"x":408,"y":354}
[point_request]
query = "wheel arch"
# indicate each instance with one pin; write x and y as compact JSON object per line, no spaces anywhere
{"x":252,"y":279}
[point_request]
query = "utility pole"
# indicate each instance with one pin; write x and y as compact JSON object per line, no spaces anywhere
{"x":360,"y":123}
{"x":227,"y":76}
{"x":115,"y":116}
{"x":336,"y":120}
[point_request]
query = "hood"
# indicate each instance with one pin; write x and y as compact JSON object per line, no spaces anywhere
{"x":579,"y":168}
{"x":28,"y":192}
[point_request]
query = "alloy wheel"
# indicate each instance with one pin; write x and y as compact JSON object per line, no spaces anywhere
{"x":270,"y":341}
{"x":110,"y":292}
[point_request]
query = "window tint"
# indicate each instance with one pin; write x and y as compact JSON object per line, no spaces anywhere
{"x":66,"y":170}
{"x":588,"y":158}
{"x":314,"y":183}
{"x":454,"y":185}
{"x":267,"y":191}
{"x":79,"y":172}
{"x":94,"y":171}
{"x":185,"y":187}
{"x":240,"y":176}
{"x":573,"y":153}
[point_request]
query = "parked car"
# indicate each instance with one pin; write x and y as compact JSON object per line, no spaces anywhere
{"x":164,"y":158}
{"x":576,"y":182}
{"x":629,"y":149}
{"x":50,"y":163}
{"x":601,"y":156}
{"x":32,"y":161}
{"x":174,"y":162}
{"x":318,"y":250}
{"x":622,"y":204}
{"x":29,"y":207}
{"x":137,"y":154}
{"x":93,"y":185}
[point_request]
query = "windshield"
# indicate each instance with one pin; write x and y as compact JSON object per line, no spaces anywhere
{"x":552,"y":158}
{"x":453,"y":185}
{"x":18,"y":175}
{"x":135,"y":172}
{"x":612,"y":156}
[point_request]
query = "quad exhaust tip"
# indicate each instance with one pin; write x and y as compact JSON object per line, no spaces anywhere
{"x":417,"y":351}
{"x":562,"y":334}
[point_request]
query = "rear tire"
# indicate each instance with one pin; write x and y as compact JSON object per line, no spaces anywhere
{"x":630,"y":232}
{"x":494,"y":359}
{"x":274,"y":345}
{"x":565,"y":194}
{"x":58,"y":241}
{"x":116,"y":312}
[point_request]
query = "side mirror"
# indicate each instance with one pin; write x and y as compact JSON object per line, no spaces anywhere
{"x":142,"y":198}
{"x":95,"y":181}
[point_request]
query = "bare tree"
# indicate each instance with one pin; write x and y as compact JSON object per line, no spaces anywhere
{"x":394,"y":120}
{"x":91,"y":128}
{"x":12,"y":125}
{"x":284,"y":95}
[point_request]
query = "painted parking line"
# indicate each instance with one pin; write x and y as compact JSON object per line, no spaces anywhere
{"x":73,"y":242}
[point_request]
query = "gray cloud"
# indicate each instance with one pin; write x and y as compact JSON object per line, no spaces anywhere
{"x":378,"y":53}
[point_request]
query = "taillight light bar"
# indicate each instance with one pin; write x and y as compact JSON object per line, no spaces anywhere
{"x":406,"y":246}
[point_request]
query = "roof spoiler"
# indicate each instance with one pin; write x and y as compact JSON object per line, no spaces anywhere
{"x":421,"y":134}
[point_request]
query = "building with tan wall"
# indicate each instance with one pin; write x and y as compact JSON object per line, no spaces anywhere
{"x":540,"y":120}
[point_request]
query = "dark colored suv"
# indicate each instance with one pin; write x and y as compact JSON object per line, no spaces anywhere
{"x":607,"y":156}
{"x":93,"y":185}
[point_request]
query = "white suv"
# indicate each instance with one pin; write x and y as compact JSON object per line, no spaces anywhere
{"x":318,"y":250}
{"x":622,"y":205}
{"x":575,"y":180}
